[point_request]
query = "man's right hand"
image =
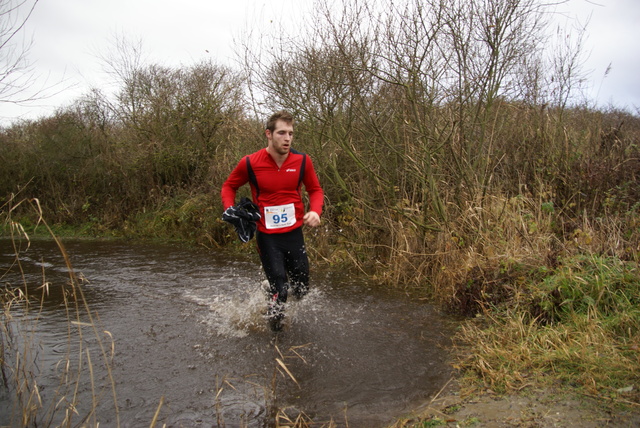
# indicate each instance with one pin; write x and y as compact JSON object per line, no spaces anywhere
{"x":312,"y":219}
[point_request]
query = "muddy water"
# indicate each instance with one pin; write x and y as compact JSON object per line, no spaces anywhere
{"x":190,"y":338}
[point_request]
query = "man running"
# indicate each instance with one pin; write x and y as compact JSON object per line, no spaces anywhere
{"x":276,"y":175}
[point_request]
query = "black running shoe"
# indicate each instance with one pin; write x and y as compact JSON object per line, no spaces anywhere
{"x":275,"y":322}
{"x":299,"y":291}
{"x":275,"y":313}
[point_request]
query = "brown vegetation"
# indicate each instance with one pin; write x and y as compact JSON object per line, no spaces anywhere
{"x":454,"y":156}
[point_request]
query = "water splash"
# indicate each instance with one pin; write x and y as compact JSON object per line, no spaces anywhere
{"x":240,"y":313}
{"x":233,"y":315}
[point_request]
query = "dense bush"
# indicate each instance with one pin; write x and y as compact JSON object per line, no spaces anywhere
{"x":424,"y":125}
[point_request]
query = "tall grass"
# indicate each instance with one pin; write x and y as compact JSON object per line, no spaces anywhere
{"x":88,"y":352}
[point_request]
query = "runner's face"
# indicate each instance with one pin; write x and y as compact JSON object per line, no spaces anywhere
{"x":281,"y":137}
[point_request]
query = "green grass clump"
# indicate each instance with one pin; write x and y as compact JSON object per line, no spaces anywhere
{"x":588,"y":288}
{"x":578,"y":327}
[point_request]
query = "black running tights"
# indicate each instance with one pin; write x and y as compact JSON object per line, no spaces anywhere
{"x":284,"y":259}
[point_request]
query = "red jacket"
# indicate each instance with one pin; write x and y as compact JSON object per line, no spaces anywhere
{"x":276,"y":188}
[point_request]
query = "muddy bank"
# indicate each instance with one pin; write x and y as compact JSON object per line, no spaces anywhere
{"x":539,"y":408}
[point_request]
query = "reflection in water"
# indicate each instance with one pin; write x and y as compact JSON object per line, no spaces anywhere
{"x":189,"y":329}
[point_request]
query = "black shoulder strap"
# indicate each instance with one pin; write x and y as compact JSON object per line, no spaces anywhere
{"x":252,"y":177}
{"x":304,"y":162}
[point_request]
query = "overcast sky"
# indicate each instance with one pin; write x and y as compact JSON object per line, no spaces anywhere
{"x":69,"y":37}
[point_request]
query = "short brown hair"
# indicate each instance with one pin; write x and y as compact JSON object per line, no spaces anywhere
{"x":283,"y":115}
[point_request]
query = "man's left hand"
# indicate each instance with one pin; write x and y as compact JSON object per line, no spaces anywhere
{"x":311,"y":219}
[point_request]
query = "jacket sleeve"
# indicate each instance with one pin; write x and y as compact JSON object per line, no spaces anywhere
{"x":238,"y":177}
{"x":312,"y":186}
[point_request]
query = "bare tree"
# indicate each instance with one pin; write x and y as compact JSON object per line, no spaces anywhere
{"x":123,"y":62}
{"x":17,"y":74}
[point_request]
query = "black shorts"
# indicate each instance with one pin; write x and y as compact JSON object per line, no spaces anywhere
{"x":284,"y":260}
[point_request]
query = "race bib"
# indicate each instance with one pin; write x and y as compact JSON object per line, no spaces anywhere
{"x":280,"y":216}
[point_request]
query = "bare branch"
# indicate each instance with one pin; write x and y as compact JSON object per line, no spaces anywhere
{"x":17,"y":75}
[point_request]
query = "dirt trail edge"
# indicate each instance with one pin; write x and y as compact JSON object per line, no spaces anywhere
{"x":528,"y":408}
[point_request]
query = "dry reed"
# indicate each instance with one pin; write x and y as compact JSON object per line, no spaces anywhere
{"x":23,"y":303}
